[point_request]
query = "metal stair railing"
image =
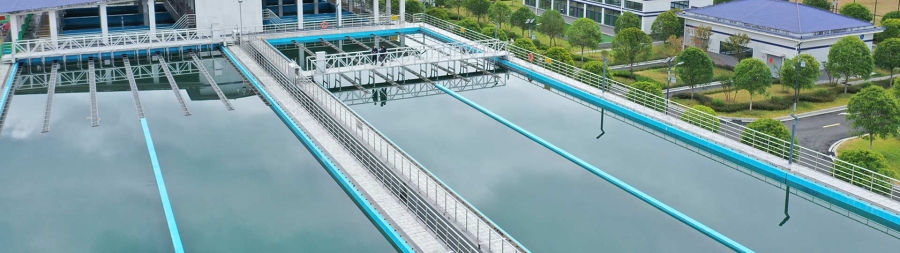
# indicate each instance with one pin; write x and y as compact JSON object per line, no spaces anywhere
{"x":271,"y":17}
{"x":186,"y":21}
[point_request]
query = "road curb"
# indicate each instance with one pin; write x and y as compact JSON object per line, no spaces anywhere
{"x":787,"y":118}
{"x":833,"y":148}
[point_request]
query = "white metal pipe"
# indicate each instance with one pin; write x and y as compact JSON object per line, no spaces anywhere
{"x":151,"y":9}
{"x":104,"y":24}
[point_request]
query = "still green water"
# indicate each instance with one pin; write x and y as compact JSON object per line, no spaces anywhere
{"x":238,"y":181}
{"x":552,"y":205}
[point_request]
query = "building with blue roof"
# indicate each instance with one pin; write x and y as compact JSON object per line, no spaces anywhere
{"x":777,"y":29}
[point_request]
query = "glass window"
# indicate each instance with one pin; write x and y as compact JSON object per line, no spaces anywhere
{"x":545,"y":4}
{"x":634,"y":5}
{"x":561,"y":6}
{"x":595,"y":12}
{"x":680,"y":5}
{"x":575,"y":10}
{"x":726,"y":49}
{"x":611,"y":16}
{"x":613,"y":2}
{"x":530,"y":2}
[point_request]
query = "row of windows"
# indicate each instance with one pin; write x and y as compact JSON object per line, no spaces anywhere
{"x":592,"y":12}
{"x":561,"y":4}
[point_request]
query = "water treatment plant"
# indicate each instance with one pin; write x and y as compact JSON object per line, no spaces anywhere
{"x":241,"y":126}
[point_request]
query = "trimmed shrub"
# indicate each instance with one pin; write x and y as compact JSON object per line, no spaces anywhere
{"x":819,"y":96}
{"x":651,"y":97}
{"x":438,"y":13}
{"x":770,"y":136}
{"x":595,"y":67}
{"x":702,"y":116}
{"x":560,"y":54}
{"x":870,"y":160}
{"x":525,"y":43}
{"x":470,"y":24}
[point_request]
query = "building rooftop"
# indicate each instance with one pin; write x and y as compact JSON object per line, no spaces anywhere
{"x":17,"y":6}
{"x":780,"y":17}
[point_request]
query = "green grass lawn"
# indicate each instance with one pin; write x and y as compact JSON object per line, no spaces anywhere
{"x":775,"y":90}
{"x":659,"y":74}
{"x":890,"y":148}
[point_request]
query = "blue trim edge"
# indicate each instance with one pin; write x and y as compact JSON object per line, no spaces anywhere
{"x":606,"y":176}
{"x":163,"y":193}
{"x":386,"y":229}
{"x":9,"y":84}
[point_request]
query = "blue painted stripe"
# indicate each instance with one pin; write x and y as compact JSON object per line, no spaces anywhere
{"x":330,"y":37}
{"x":839,"y":199}
{"x":606,"y":176}
{"x":163,"y":193}
{"x":9,"y":84}
{"x":386,"y":229}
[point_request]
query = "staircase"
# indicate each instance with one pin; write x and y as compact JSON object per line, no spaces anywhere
{"x":178,"y":8}
{"x":43,"y":30}
{"x":186,"y":21}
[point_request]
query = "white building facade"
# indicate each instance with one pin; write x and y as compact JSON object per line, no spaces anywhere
{"x":771,"y":41}
{"x":605,"y":12}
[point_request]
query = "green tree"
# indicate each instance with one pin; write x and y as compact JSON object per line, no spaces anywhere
{"x":821,"y":4}
{"x":584,"y":32}
{"x":438,"y":13}
{"x":627,"y":20}
{"x":631,"y":45}
{"x":458,"y":4}
{"x":736,"y":44}
{"x":526,"y":44}
{"x":595,"y":67}
{"x":850,"y":57}
{"x":857,"y":11}
{"x":667,"y":24}
{"x":862,"y":174}
{"x":752,"y":75}
{"x":768,"y":135}
{"x":552,"y":25}
{"x":489,"y":31}
{"x":701,"y":37}
{"x":414,"y":6}
{"x":887,"y":54}
{"x":891,"y":30}
{"x":720,"y":1}
{"x":702,"y":116}
{"x":499,"y":12}
{"x":560,"y":54}
{"x":478,"y":8}
{"x":470,"y":25}
{"x":890,"y":15}
{"x":808,"y":74}
{"x":520,"y":17}
{"x":875,"y":112}
{"x":647,"y":94}
{"x":697,"y":68}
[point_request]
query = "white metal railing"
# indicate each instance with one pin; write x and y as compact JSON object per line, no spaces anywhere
{"x":111,"y":74}
{"x":186,"y":21}
{"x":355,"y":96}
{"x":442,"y":201}
{"x":271,"y":16}
{"x":856,"y":175}
{"x":120,"y":39}
{"x":416,"y":55}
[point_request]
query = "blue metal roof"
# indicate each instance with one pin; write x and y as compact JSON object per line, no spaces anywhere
{"x":781,"y":15}
{"x":14,"y":6}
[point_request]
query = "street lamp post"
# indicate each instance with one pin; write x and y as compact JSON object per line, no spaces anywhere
{"x":669,"y":79}
{"x":530,"y":23}
{"x":800,"y":64}
{"x":603,"y":78}
{"x":496,"y":27}
{"x":241,"y":10}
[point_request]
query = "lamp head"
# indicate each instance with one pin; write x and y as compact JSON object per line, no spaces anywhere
{"x":240,"y":1}
{"x":679,"y":63}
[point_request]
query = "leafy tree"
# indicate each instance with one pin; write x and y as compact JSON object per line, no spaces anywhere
{"x":875,"y":112}
{"x":702,"y":116}
{"x":478,"y":8}
{"x":499,"y":12}
{"x":701,"y":37}
{"x":887,"y":54}
{"x":627,"y":20}
{"x":525,"y":43}
{"x":671,"y":47}
{"x":696,"y":69}
{"x":414,"y":6}
{"x":736,"y":44}
{"x":667,"y":24}
{"x":857,"y":11}
{"x":821,"y":4}
{"x":867,"y":162}
{"x":631,"y":45}
{"x":584,"y":32}
{"x":458,"y":4}
{"x":552,"y":25}
{"x":647,"y":94}
{"x":768,"y":135}
{"x":808,"y":74}
{"x":595,"y":67}
{"x":752,"y":75}
{"x":890,"y":15}
{"x":438,"y":13}
{"x":850,"y":57}
{"x":470,"y":25}
{"x":891,"y":30}
{"x":489,"y":31}
{"x":519,"y":18}
{"x":560,"y":54}
{"x":720,"y":1}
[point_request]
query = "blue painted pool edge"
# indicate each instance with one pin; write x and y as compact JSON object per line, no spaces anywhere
{"x":461,"y":198}
{"x":9,"y":84}
{"x":163,"y":193}
{"x":386,"y":229}
{"x":356,"y":35}
{"x":840,"y":199}
{"x":724,"y":240}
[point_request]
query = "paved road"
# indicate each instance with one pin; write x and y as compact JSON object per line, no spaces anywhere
{"x":820,"y":131}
